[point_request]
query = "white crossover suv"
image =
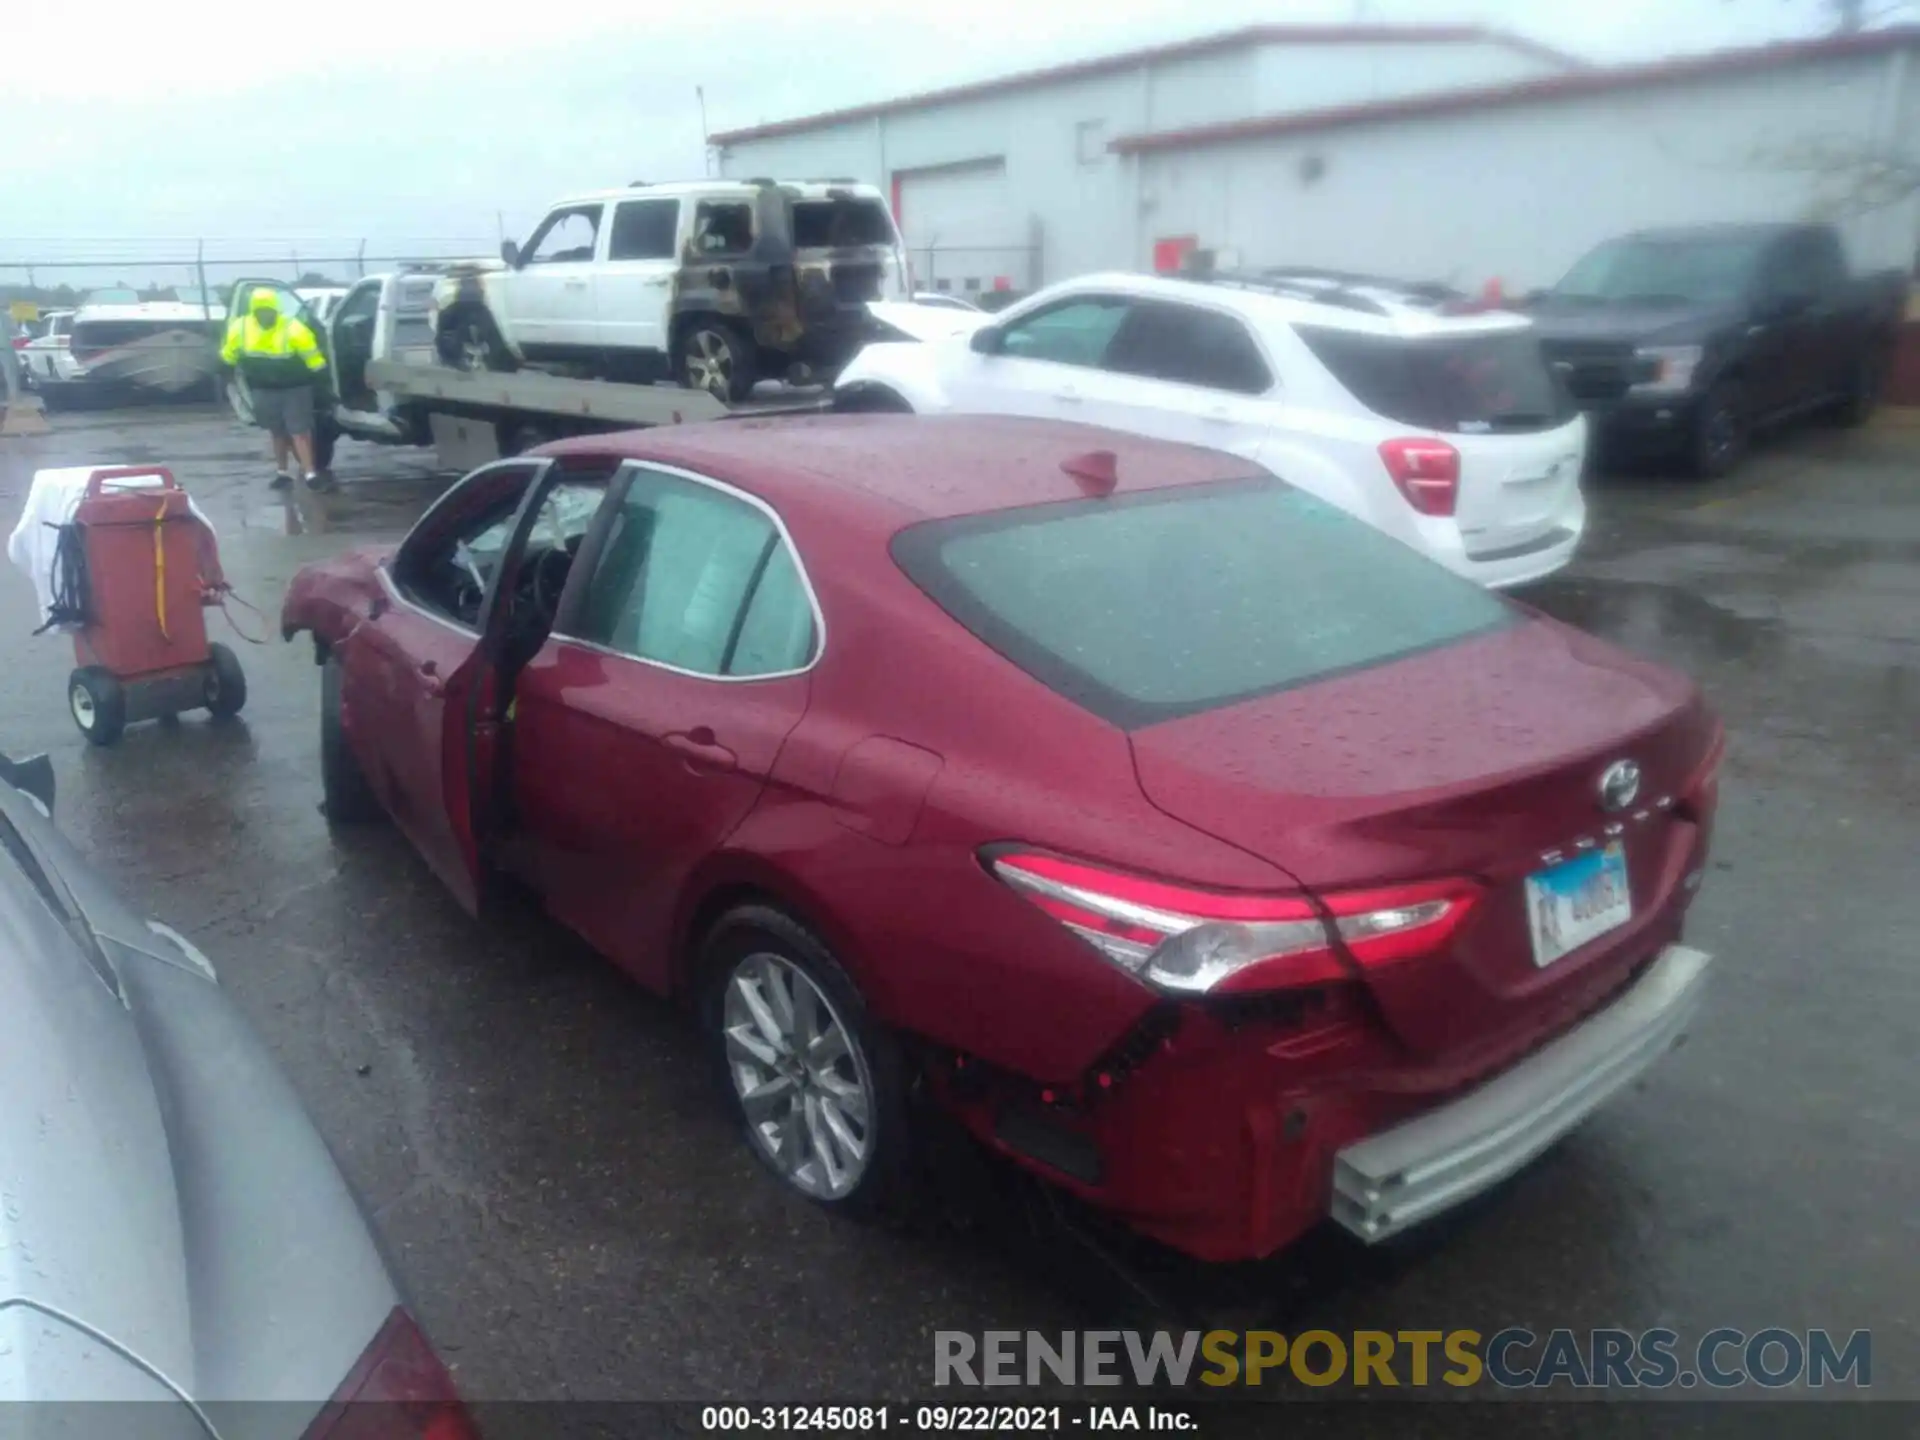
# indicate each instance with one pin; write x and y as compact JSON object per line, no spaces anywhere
{"x":719,"y":283}
{"x":1438,"y":424}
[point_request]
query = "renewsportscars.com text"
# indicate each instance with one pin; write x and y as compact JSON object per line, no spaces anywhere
{"x":1514,"y":1358}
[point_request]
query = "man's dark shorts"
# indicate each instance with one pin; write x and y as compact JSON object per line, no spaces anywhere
{"x":285,"y":412}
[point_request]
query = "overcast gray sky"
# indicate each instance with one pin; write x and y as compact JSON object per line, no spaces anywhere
{"x":303,"y":128}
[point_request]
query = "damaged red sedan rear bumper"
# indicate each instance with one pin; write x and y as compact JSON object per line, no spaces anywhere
{"x":1228,"y":1133}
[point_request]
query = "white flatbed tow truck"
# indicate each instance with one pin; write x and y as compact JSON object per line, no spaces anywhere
{"x":385,"y":385}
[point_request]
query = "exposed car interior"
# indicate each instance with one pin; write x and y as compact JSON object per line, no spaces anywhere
{"x":448,"y":568}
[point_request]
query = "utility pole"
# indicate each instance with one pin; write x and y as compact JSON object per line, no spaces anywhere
{"x":706,"y":148}
{"x":200,"y":275}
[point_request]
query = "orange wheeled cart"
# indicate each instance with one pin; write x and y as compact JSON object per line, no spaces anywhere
{"x":151,"y":566}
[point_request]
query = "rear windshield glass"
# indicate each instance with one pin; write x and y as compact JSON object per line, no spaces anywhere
{"x":1459,"y":382}
{"x":832,"y":224}
{"x":1150,"y":607}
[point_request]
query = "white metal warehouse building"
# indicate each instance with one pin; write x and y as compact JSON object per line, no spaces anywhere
{"x":1453,"y":153}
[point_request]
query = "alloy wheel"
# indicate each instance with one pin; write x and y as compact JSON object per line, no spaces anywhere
{"x":1723,"y":434}
{"x":710,"y":363}
{"x":801,"y":1077}
{"x":475,"y":352}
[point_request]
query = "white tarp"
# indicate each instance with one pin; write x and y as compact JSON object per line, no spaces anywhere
{"x":55,"y":495}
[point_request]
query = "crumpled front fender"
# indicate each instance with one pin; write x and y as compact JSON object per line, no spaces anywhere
{"x":330,"y":598}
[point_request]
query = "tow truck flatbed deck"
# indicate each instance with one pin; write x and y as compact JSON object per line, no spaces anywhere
{"x":477,"y":417}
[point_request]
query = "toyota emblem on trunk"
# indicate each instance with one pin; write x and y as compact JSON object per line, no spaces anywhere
{"x":1619,"y":785}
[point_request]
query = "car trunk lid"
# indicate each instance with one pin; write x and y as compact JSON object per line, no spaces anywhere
{"x":1481,"y":759}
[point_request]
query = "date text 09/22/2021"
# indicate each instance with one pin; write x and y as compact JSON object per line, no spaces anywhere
{"x":946,"y":1419}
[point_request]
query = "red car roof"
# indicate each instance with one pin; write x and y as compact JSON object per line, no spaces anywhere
{"x":893,"y":470}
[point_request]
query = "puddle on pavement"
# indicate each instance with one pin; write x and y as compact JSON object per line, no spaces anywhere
{"x":383,"y":507}
{"x":1658,"y":620}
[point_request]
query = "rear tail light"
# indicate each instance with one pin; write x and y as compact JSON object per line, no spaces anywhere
{"x":1197,"y":942}
{"x":398,"y":1390}
{"x":1426,"y":471}
{"x":20,"y":342}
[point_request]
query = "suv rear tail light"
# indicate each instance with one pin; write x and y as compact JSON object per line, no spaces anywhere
{"x":1426,"y":471}
{"x":1198,"y":942}
{"x":397,"y":1390}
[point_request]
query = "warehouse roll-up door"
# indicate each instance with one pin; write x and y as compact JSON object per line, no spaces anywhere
{"x":961,"y":228}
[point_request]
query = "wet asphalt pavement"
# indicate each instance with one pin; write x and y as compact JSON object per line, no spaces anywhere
{"x":561,"y":1192}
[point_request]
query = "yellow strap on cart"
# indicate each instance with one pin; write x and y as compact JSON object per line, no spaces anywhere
{"x":160,"y":570}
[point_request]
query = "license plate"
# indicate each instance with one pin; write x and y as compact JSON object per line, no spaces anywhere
{"x":1572,"y":902}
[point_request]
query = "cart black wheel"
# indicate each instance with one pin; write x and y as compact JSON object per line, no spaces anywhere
{"x":98,"y":704}
{"x":347,"y":797}
{"x":225,"y":683}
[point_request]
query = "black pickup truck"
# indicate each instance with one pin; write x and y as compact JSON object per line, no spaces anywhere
{"x":1688,"y":341}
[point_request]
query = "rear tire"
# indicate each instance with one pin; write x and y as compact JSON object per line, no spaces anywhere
{"x":225,"y":685}
{"x":788,"y":1028}
{"x":1721,"y":432}
{"x":718,"y":357}
{"x":346,"y":796}
{"x":469,"y":340}
{"x":1856,"y":407}
{"x":326,"y":435}
{"x":97,"y":703}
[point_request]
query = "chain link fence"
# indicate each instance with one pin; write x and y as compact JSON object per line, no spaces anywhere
{"x":63,"y":275}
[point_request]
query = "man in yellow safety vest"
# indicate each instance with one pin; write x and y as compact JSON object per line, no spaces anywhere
{"x":279,"y":359}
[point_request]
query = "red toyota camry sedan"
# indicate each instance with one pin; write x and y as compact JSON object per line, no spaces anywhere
{"x":1207,"y":852}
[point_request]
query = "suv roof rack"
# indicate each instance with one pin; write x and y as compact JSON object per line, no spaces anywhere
{"x":1350,"y":290}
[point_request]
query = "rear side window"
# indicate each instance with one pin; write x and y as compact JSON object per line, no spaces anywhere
{"x":835,"y":223}
{"x":1190,"y":346}
{"x":1150,"y":607}
{"x":644,"y":230}
{"x":1458,"y":382}
{"x":721,"y":229}
{"x":696,"y":579}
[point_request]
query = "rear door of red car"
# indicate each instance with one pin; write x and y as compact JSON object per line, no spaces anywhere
{"x":646,"y":727}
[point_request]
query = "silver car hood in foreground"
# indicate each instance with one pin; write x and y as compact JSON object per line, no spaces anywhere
{"x":170,"y":1222}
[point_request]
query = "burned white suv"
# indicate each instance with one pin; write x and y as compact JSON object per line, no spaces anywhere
{"x":718,"y":283}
